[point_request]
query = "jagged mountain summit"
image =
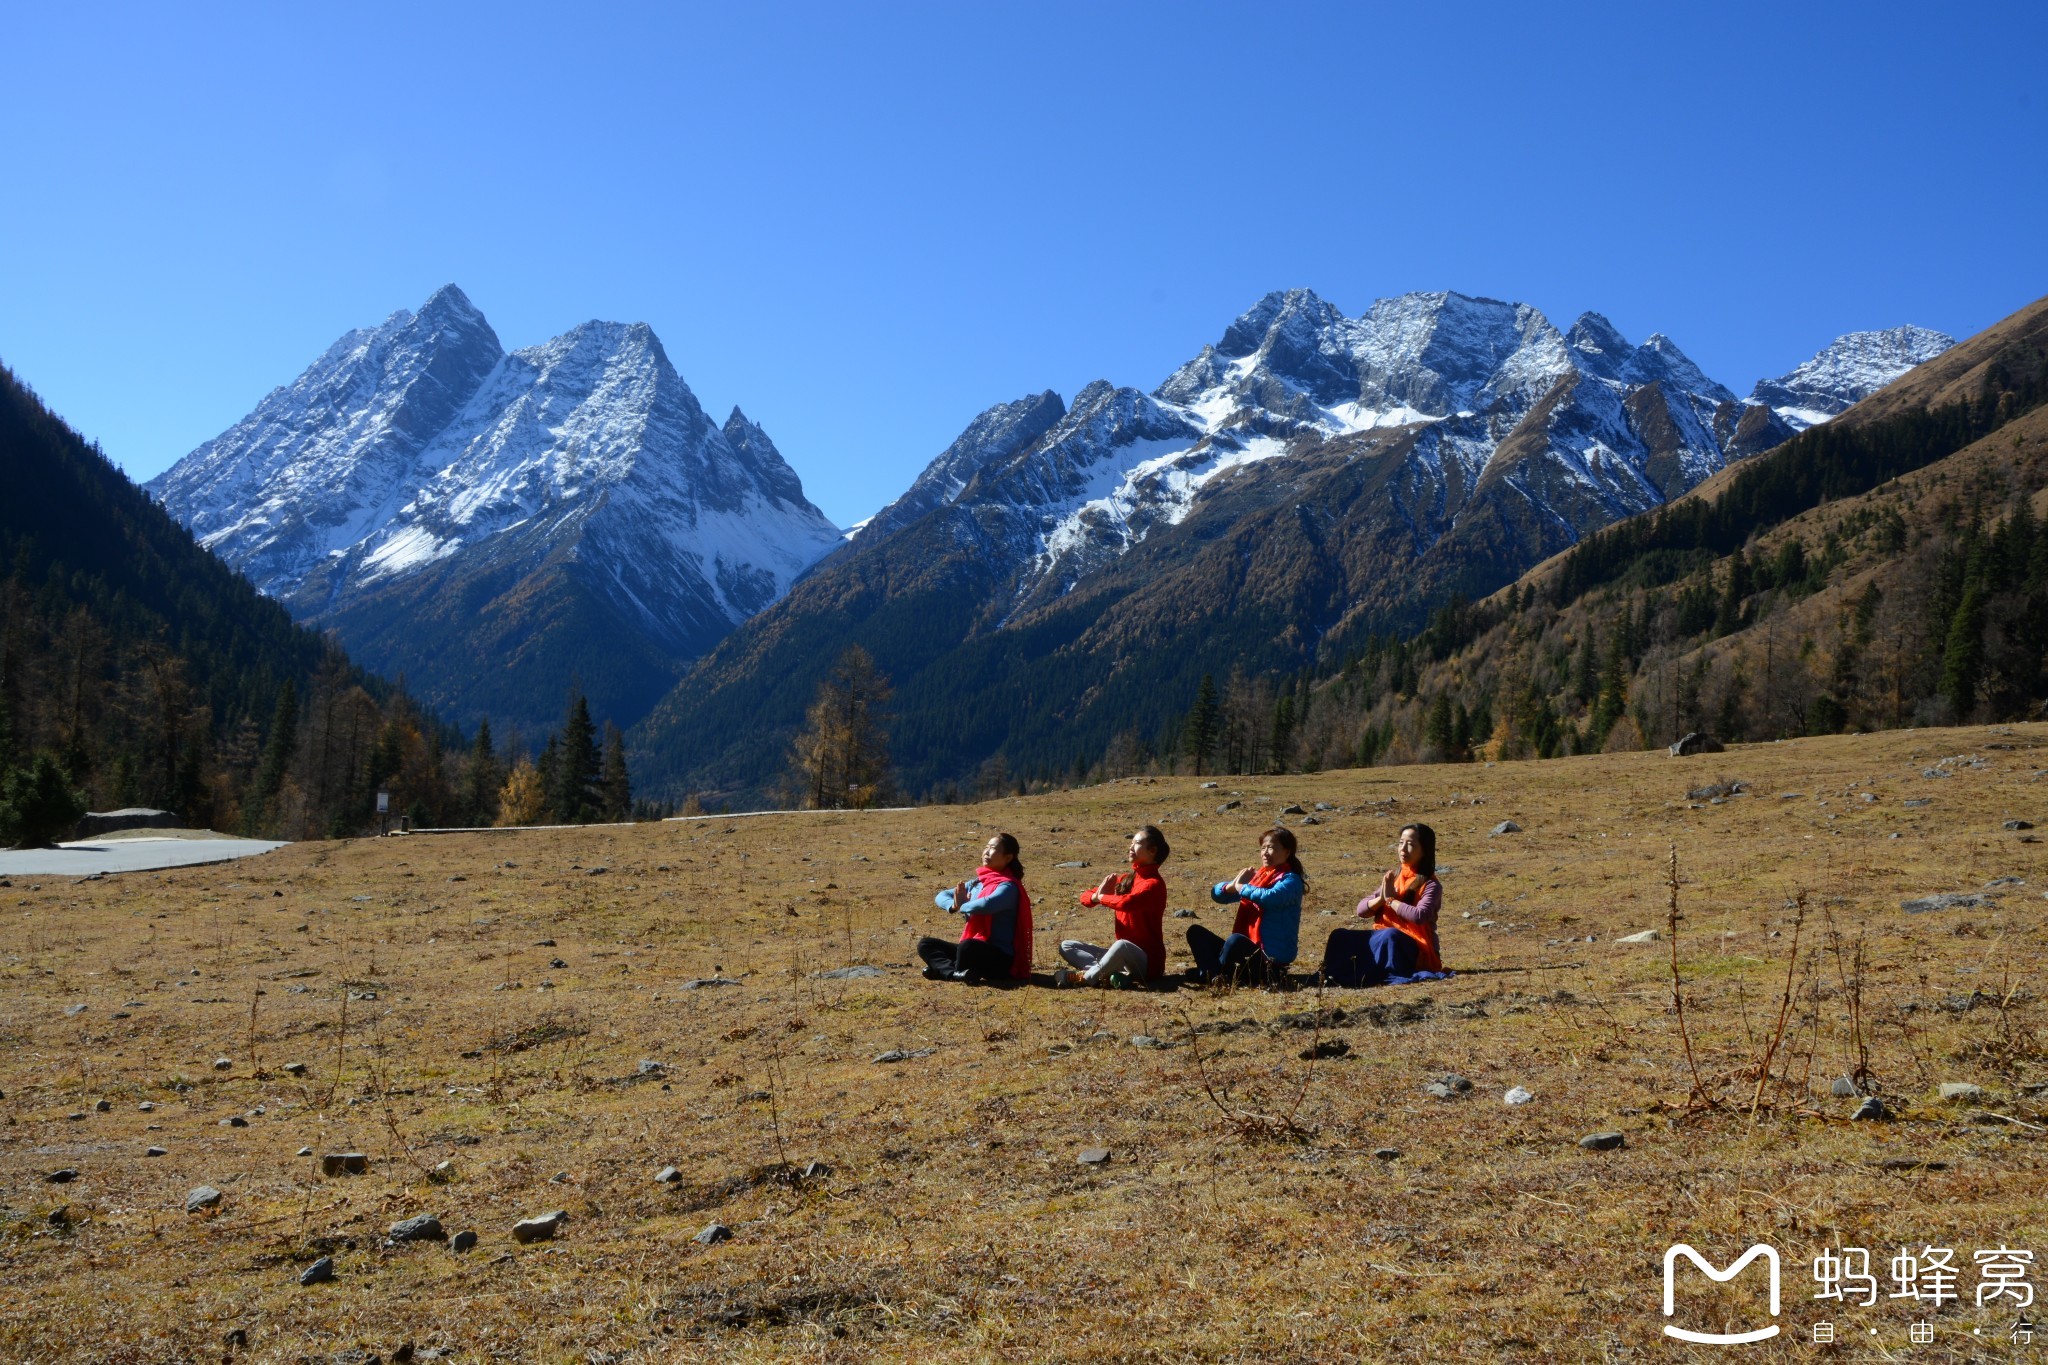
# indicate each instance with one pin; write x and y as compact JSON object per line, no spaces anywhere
{"x":1064,"y":572}
{"x":496,"y":525}
{"x":1619,"y":426}
{"x":1846,"y":371}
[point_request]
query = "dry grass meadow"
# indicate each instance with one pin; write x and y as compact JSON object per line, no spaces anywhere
{"x":485,"y":1000}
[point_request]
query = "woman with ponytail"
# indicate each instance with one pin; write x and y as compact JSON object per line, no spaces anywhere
{"x":1137,"y":954}
{"x":995,"y":943}
{"x":1262,"y":942}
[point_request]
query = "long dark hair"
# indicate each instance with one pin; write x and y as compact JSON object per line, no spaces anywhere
{"x":1007,"y":843}
{"x":1158,"y":842}
{"x":1425,"y":836}
{"x":1284,"y":837}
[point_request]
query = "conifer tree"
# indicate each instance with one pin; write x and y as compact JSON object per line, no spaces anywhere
{"x":480,"y":789}
{"x":614,"y":783}
{"x":577,"y":767}
{"x":1198,"y":735}
{"x":1962,"y":660}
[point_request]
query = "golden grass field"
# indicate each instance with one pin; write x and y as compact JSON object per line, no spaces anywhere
{"x":1242,"y":1214}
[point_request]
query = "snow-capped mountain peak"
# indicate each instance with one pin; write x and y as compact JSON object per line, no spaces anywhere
{"x":1846,"y":371}
{"x":418,"y":453}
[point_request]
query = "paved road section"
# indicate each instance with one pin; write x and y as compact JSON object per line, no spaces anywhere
{"x":128,"y":854}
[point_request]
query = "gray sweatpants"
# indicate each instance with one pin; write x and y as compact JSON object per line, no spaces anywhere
{"x":1096,"y":963}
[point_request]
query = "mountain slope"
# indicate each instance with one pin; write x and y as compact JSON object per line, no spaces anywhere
{"x":1307,"y":480}
{"x":1888,"y":568}
{"x":150,"y":667}
{"x":496,"y":526}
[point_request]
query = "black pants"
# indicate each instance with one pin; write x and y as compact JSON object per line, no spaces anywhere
{"x":942,"y":958}
{"x":1237,"y":954}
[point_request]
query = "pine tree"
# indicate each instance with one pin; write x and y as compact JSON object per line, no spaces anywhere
{"x":1198,"y":735}
{"x":1962,"y":660}
{"x":615,"y":784}
{"x":277,"y":756}
{"x":1436,"y":730}
{"x":545,"y":769}
{"x":577,"y":767}
{"x":480,"y":789}
{"x":38,"y":803}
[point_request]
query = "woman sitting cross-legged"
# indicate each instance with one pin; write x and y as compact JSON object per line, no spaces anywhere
{"x":1402,"y":943}
{"x":995,"y":943}
{"x":1138,"y":898}
{"x":1262,"y":942}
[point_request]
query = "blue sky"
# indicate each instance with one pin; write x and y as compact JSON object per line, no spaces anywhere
{"x":864,"y":224}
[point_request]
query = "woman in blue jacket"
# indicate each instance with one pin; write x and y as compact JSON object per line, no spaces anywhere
{"x":1263,"y":941}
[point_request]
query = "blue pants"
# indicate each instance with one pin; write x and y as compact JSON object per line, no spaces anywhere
{"x":1216,"y":957}
{"x":1367,"y":957}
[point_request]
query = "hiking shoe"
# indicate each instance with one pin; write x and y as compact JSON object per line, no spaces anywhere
{"x":932,"y":973}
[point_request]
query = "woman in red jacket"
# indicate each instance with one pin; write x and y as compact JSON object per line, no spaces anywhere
{"x":1138,"y":899}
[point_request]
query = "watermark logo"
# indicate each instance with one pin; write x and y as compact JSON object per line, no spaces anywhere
{"x":1766,"y":1253}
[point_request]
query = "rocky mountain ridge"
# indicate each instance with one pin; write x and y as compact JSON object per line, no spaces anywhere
{"x":571,"y":489}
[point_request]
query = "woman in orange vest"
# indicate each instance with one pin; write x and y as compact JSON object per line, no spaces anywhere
{"x":1402,"y":943}
{"x":1138,"y":899}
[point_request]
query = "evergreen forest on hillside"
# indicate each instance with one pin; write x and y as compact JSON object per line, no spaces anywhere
{"x":137,"y":669}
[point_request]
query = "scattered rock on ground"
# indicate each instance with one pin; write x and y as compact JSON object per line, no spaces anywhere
{"x":859,"y":973}
{"x":1646,"y":936}
{"x":815,"y":1170}
{"x":222,"y":1064}
{"x":539,"y":1229}
{"x":1517,"y":1096}
{"x":2019,"y":824}
{"x":668,"y":1175}
{"x":294,"y":1068}
{"x":1844,"y":1088}
{"x":157,"y":1151}
{"x":1185,"y":914}
{"x":1961,"y":1092}
{"x":320,"y":1272}
{"x":1603,"y":1142}
{"x":1997,"y":882}
{"x":74,"y":1009}
{"x":1387,"y":1153}
{"x":897,"y":1054}
{"x":63,"y":1177}
{"x":1082,"y":863}
{"x":1295,"y":809}
{"x":344,"y":1163}
{"x":1871,"y":1109}
{"x":202,"y":1197}
{"x":424,"y":1228}
{"x":649,"y":1067}
{"x":1228,"y":805}
{"x":713,"y":1234}
{"x":1695,"y":743}
{"x":1947,"y":900}
{"x":1328,"y":1047}
{"x":1507,"y":827}
{"x":1093,"y":1156}
{"x":462,"y":1241}
{"x":699,"y":983}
